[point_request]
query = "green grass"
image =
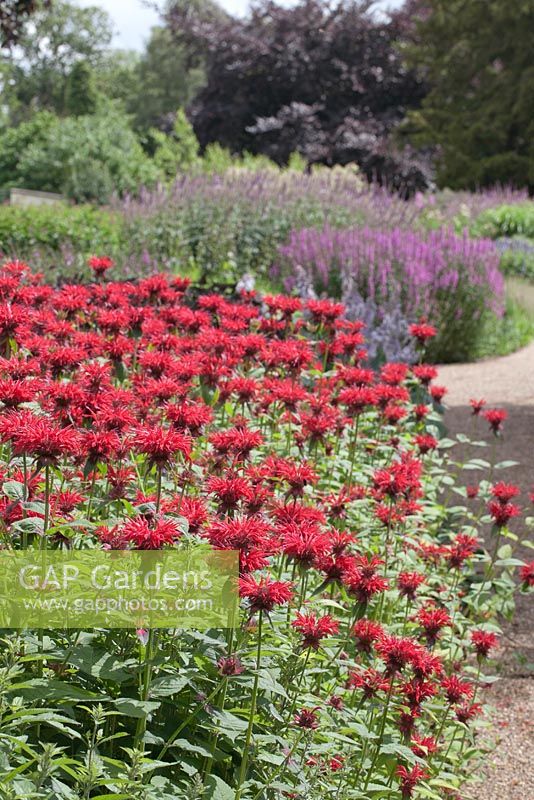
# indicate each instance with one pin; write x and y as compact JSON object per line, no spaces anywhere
{"x":515,"y":329}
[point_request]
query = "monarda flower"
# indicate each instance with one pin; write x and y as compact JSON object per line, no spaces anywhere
{"x":230,"y":491}
{"x":422,"y":331}
{"x":437,"y":393}
{"x":307,"y":718}
{"x":477,"y":406}
{"x":502,"y":513}
{"x":161,"y":445}
{"x":397,"y":652}
{"x":483,"y":641}
{"x":44,"y":440}
{"x":100,"y":264}
{"x":370,"y":682}
{"x":408,"y":584}
{"x":504,"y":492}
{"x":496,"y":418}
{"x":425,"y":443}
{"x":468,"y":711}
{"x":455,"y":689}
{"x":264,"y":594}
{"x":423,"y":746}
{"x":365,"y":632}
{"x":314,"y":629}
{"x":153,"y":535}
{"x":409,"y":778}
{"x":432,"y":620}
{"x":526,"y":574}
{"x":304,"y":543}
{"x":229,"y":666}
{"x":461,"y":549}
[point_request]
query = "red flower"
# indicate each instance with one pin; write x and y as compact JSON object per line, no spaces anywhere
{"x":496,"y":417}
{"x":408,"y":583}
{"x":432,"y":620}
{"x":409,"y":779}
{"x":153,"y":535}
{"x":307,"y":718}
{"x":526,"y":573}
{"x":100,"y":264}
{"x":504,"y":492}
{"x":477,"y":406}
{"x":314,"y":628}
{"x":471,"y":492}
{"x":422,"y":331}
{"x":425,"y":443}
{"x":229,"y":666}
{"x":366,"y":632}
{"x":161,"y":445}
{"x":44,"y":440}
{"x":423,"y":746}
{"x":483,"y":642}
{"x":466,"y":712}
{"x":438,"y":393}
{"x":264,"y":594}
{"x":456,"y":689}
{"x":397,"y":652}
{"x":370,"y":682}
{"x":502,"y":513}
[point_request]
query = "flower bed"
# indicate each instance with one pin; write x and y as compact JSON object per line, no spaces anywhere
{"x":453,"y":280}
{"x":133,"y":418}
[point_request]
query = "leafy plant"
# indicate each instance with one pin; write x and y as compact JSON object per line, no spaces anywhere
{"x":369,"y":598}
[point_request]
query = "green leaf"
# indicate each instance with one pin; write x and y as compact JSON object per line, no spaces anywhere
{"x":14,"y":490}
{"x":168,"y":685}
{"x":135,"y":708}
{"x":217,"y":789}
{"x":41,"y":689}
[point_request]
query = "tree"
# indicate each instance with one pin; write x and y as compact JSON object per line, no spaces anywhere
{"x":326,"y":80}
{"x":167,"y":78}
{"x":86,"y":158}
{"x":477,"y":57}
{"x":38,"y":69}
{"x":13,"y":16}
{"x":80,"y":94}
{"x":177,"y":151}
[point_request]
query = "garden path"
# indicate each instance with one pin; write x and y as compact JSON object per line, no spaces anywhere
{"x":508,"y":382}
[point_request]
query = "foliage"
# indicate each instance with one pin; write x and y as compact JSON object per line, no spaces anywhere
{"x":167,"y":77}
{"x":80,"y":93}
{"x":49,"y":50}
{"x":476,"y":58}
{"x":177,"y":152}
{"x":507,"y":220}
{"x":87,"y":158}
{"x":13,"y":16}
{"x":58,"y":233}
{"x":453,"y":280}
{"x":503,"y":335}
{"x":357,"y":668}
{"x":15,"y":140}
{"x":325,"y":81}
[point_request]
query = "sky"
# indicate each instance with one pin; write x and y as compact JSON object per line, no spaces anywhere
{"x":133,"y":20}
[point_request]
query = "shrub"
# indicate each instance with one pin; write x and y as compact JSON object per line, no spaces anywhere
{"x":507,"y":220}
{"x":54,"y":231}
{"x":149,"y":420}
{"x":453,"y":280}
{"x":86,"y":158}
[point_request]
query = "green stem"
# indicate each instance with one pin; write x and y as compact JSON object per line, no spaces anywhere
{"x":244,"y":762}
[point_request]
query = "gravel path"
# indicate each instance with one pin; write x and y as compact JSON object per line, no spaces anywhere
{"x":508,"y":772}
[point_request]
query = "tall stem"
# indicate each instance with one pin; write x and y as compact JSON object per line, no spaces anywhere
{"x":244,"y":762}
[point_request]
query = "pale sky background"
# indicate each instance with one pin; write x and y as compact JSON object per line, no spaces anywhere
{"x":133,"y":20}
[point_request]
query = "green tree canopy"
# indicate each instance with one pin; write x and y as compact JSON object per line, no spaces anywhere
{"x":36,"y":72}
{"x":477,"y":57}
